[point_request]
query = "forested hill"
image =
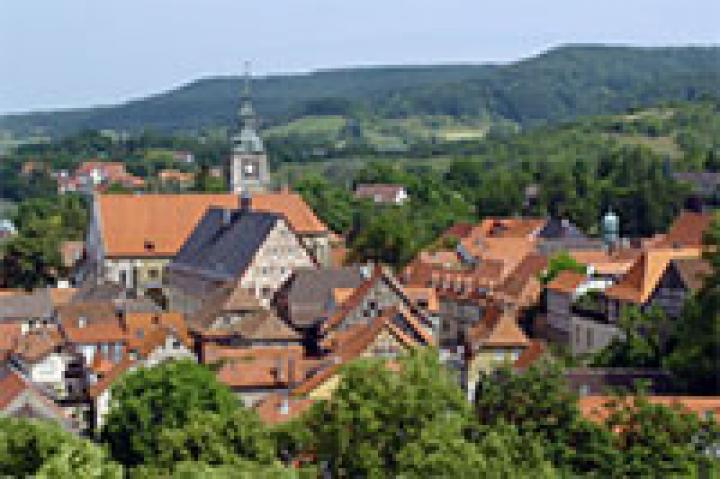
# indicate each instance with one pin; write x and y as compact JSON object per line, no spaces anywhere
{"x":560,"y":84}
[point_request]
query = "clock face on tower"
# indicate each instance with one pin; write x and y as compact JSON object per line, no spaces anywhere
{"x":251,"y":168}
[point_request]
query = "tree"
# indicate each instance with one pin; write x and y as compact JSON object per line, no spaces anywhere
{"x":214,"y":438}
{"x":561,"y":261}
{"x":695,"y":358}
{"x":150,"y":400}
{"x":410,"y":419}
{"x":642,"y":343}
{"x":239,"y":470}
{"x":660,"y":441}
{"x":539,"y":404}
{"x":40,"y":449}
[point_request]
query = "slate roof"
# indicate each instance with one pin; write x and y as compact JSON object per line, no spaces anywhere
{"x":560,"y":228}
{"x":224,"y":242}
{"x":21,"y":305}
{"x":311,"y":289}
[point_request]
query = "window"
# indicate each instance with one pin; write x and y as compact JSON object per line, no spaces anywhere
{"x":577,"y":333}
{"x":584,"y":390}
{"x":499,"y":355}
{"x":153,"y":273}
{"x":266,"y":292}
{"x":175,"y":344}
{"x":589,"y":334}
{"x":122,"y":277}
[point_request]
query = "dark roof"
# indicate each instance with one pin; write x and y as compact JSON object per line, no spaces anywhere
{"x":313,"y":287}
{"x":560,"y":228}
{"x":703,"y":182}
{"x":91,"y":291}
{"x":692,"y":271}
{"x":223,"y":244}
{"x":37,"y":304}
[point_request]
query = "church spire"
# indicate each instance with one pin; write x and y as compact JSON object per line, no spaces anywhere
{"x":248,"y":140}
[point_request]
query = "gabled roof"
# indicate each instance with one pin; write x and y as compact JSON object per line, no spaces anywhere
{"x":224,"y":242}
{"x":641,"y":279}
{"x":101,"y":323}
{"x":354,"y":299}
{"x":560,"y":228}
{"x":261,"y":326}
{"x":566,"y":282}
{"x":18,"y":394}
{"x":496,"y":329}
{"x":523,"y":275}
{"x":157,"y":225}
{"x":145,"y":331}
{"x":352,"y":343}
{"x":277,"y":368}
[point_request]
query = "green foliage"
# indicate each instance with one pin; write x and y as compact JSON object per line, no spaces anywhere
{"x":561,"y":261}
{"x":206,"y":183}
{"x":659,"y":441}
{"x":215,"y":438}
{"x":538,"y":403}
{"x":412,"y":421}
{"x":561,"y":84}
{"x":238,"y":470}
{"x":150,"y":401}
{"x":32,"y":258}
{"x":643,"y":343}
{"x":333,"y":203}
{"x":694,"y":359}
{"x":39,"y":449}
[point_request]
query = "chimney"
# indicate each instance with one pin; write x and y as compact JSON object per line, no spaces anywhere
{"x":226,"y":217}
{"x":245,"y":201}
{"x":284,"y":406}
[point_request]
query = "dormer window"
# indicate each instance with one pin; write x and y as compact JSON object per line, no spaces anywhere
{"x":81,"y":321}
{"x":149,"y":245}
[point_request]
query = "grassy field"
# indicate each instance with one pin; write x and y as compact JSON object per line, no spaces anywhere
{"x":662,"y":145}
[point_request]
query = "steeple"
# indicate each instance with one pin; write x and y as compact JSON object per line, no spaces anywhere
{"x":247,"y":140}
{"x":248,"y":163}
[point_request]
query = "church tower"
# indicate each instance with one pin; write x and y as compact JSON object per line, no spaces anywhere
{"x":248,"y":161}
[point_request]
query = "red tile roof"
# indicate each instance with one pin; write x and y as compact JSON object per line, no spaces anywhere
{"x":157,"y":225}
{"x":566,"y":282}
{"x":686,"y":231}
{"x":595,"y":408}
{"x":271,"y":411}
{"x":641,"y":279}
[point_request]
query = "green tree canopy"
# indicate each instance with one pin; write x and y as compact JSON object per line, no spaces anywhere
{"x":151,"y":404}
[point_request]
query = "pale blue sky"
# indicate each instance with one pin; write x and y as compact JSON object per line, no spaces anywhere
{"x":72,"y":53}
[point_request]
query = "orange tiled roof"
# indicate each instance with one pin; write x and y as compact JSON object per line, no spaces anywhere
{"x":9,"y":333}
{"x":60,"y":296}
{"x":109,"y":378}
{"x":641,"y":279}
{"x":566,"y":282}
{"x":605,"y":263}
{"x":429,"y":295}
{"x":270,"y":408}
{"x":497,"y":329}
{"x":139,"y":326}
{"x":595,"y":408}
{"x":35,"y":345}
{"x":158,"y":224}
{"x":213,"y":353}
{"x":11,"y":385}
{"x":687,"y":230}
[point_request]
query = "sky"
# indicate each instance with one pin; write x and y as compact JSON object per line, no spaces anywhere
{"x":78,"y":53}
